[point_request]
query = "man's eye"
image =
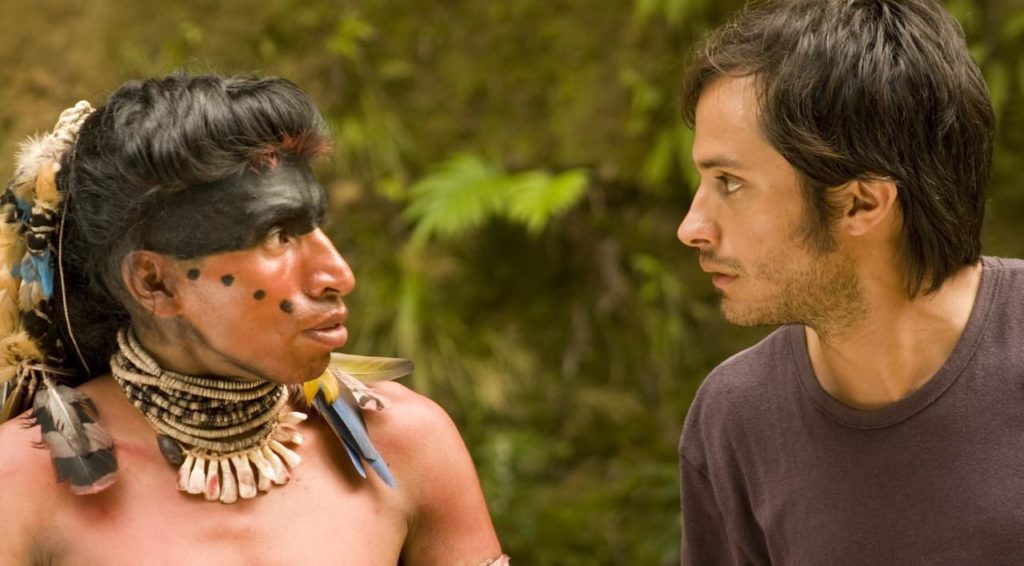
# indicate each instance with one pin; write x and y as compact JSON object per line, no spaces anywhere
{"x":277,"y":237}
{"x":729,"y":185}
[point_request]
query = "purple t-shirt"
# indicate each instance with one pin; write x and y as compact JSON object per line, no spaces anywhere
{"x":776,"y":471}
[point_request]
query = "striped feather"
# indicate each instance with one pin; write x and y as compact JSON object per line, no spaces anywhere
{"x":81,"y":451}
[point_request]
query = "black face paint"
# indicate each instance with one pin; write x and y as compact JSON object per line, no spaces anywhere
{"x":286,"y":306}
{"x":201,"y":338}
{"x":192,"y":274}
{"x":259,"y":294}
{"x":227,"y":280}
{"x":235,"y":213}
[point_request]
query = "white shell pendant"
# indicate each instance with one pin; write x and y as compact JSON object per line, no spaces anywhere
{"x":242,"y":475}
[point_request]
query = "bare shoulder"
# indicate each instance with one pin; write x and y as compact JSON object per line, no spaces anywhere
{"x":24,"y":463}
{"x":29,"y":489}
{"x":450,"y":523}
{"x":413,"y":427}
{"x":420,"y":443}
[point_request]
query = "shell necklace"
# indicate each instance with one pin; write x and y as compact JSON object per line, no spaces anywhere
{"x":227,"y":437}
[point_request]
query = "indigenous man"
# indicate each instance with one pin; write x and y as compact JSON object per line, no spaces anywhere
{"x":844,"y":149}
{"x":173,"y":240}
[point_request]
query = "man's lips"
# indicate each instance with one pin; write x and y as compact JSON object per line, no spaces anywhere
{"x":330,"y":330}
{"x":332,"y":319}
{"x":719,"y":277}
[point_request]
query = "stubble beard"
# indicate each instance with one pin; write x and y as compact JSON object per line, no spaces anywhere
{"x":824,"y":293}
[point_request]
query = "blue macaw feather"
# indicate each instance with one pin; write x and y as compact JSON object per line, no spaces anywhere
{"x":44,"y":269}
{"x":25,"y":208}
{"x":28,"y":270}
{"x":339,"y":428}
{"x":38,"y":268}
{"x":356,"y":460}
{"x":348,"y":425}
{"x":382,"y":470}
{"x":336,"y":422}
{"x":354,"y":423}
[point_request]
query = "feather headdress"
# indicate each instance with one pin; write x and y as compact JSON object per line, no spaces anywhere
{"x":32,"y":353}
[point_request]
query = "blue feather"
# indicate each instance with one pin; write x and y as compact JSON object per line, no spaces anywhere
{"x":25,"y":208}
{"x":356,"y":460}
{"x":338,"y":425}
{"x":28,"y":269}
{"x":348,"y":425}
{"x":37,"y":268}
{"x":45,"y":271}
{"x":382,"y":470}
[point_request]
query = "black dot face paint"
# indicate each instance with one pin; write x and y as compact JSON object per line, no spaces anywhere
{"x":259,"y":294}
{"x":227,"y":280}
{"x":192,"y":274}
{"x":286,"y":306}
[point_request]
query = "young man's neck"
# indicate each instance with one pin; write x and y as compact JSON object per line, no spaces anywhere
{"x":897,"y":346}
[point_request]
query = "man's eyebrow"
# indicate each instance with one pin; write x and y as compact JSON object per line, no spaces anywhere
{"x":284,"y":215}
{"x":719,"y":163}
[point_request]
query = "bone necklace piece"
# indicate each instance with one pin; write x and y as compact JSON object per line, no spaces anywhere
{"x":227,"y":437}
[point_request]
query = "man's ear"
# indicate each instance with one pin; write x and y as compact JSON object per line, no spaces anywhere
{"x":151,"y":280}
{"x":868,"y":204}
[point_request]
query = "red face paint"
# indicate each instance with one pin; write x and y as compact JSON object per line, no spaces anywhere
{"x":273,"y":251}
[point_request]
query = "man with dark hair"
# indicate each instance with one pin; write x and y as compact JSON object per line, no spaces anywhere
{"x":163,"y":254}
{"x":844,"y":148}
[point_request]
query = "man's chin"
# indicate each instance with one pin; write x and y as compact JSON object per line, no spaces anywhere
{"x":312,"y":371}
{"x":297,"y":373}
{"x":736,"y":314}
{"x":732,"y":312}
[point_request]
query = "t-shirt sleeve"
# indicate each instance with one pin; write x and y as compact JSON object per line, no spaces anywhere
{"x":705,"y":542}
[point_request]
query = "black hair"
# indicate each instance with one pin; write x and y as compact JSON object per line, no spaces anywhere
{"x":153,"y":138}
{"x":863,"y":89}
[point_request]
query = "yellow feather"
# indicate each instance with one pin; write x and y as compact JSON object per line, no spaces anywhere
{"x":370,"y":369}
{"x":12,"y":245}
{"x":310,"y":388}
{"x":20,"y":346}
{"x":330,"y":386}
{"x":30,"y":295}
{"x":8,"y":373}
{"x":46,"y":185}
{"x":9,"y":314}
{"x":327,"y":383}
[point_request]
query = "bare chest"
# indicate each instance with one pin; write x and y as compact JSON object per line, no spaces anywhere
{"x":323,"y":516}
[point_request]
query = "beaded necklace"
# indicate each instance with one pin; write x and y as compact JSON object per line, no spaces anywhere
{"x":226,"y":436}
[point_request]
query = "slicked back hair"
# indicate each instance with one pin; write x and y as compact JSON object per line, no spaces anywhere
{"x":151,"y":138}
{"x":868,"y":89}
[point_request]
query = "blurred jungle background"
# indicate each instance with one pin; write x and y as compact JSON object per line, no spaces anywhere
{"x":507,"y":183}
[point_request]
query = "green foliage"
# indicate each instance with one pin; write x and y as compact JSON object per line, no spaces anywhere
{"x":536,"y":197}
{"x":672,"y":11}
{"x":670,"y":157}
{"x":463,"y":193}
{"x":466,"y":191}
{"x":351,"y":31}
{"x":534,"y":277}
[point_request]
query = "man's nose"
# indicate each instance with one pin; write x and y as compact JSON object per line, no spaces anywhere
{"x":327,"y":272}
{"x":698,"y":229}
